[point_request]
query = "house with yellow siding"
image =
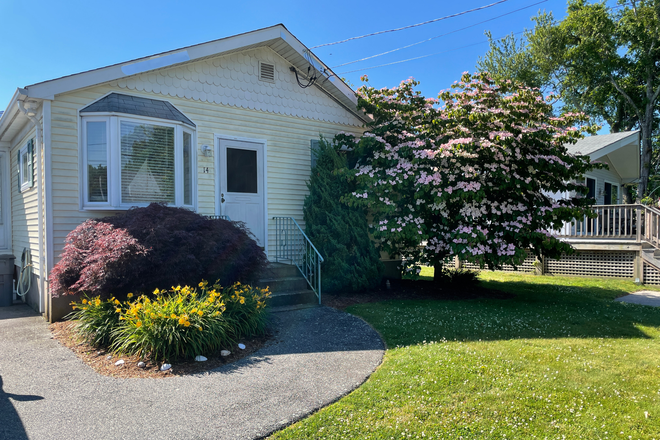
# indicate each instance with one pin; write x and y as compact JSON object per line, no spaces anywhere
{"x":221,"y":128}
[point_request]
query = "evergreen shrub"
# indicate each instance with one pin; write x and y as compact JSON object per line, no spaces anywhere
{"x":338,"y":231}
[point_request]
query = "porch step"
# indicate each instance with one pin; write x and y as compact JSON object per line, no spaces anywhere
{"x":650,"y":256}
{"x":292,"y":298}
{"x":280,"y":270}
{"x":288,"y":284}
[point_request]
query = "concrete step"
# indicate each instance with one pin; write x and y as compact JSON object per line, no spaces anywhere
{"x":279,"y":270}
{"x":287,"y":284}
{"x":281,"y":309}
{"x":291,"y":298}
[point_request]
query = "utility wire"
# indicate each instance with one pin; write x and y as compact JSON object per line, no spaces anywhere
{"x":442,"y":35}
{"x":412,"y":25}
{"x":435,"y":53}
{"x":420,"y":57}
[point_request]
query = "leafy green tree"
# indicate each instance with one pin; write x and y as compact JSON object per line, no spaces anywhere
{"x":602,"y":61}
{"x":339,"y":232}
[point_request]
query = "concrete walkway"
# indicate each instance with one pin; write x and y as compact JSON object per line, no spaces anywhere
{"x":320,"y":354}
{"x":643,"y":297}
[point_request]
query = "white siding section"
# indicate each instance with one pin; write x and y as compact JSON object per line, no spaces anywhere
{"x":601,"y":177}
{"x":233,"y":80}
{"x":288,"y":151}
{"x":24,"y":205}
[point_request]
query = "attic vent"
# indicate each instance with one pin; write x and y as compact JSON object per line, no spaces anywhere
{"x":266,"y":72}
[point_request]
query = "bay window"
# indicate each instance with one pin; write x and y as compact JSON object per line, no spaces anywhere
{"x":132,"y":161}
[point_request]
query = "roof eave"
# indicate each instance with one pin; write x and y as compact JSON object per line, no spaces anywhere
{"x":270,"y":36}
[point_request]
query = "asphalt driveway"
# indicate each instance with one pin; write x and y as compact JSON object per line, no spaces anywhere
{"x":319,"y":355}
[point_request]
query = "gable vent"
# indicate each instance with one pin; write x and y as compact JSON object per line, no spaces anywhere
{"x":266,"y":72}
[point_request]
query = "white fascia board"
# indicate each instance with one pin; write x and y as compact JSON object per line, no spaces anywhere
{"x":632,"y":138}
{"x":6,"y":117}
{"x":48,"y":89}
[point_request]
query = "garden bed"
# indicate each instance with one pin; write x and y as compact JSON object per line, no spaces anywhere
{"x":97,"y":358}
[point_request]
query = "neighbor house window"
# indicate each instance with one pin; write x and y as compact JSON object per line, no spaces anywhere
{"x":134,"y":162}
{"x":25,"y":164}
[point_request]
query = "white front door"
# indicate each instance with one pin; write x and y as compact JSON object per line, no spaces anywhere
{"x":241,"y":192}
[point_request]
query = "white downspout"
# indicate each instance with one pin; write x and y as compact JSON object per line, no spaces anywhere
{"x":48,"y":195}
{"x":31,"y":113}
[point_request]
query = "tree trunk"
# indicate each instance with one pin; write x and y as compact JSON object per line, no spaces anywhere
{"x":647,"y":148}
{"x":437,"y":272}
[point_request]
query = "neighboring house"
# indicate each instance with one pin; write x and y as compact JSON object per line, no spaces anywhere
{"x":621,"y":153}
{"x":222,"y":128}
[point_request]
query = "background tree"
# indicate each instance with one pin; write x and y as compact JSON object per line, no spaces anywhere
{"x":470,"y":179}
{"x":339,"y":232}
{"x":601,"y":61}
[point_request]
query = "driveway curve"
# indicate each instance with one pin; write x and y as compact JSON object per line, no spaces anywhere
{"x":46,"y":392}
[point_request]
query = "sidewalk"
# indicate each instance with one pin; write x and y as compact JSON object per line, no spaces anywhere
{"x":319,"y":355}
{"x":643,"y":297}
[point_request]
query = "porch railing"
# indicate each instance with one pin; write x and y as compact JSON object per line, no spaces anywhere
{"x":293,"y":246}
{"x":630,"y":222}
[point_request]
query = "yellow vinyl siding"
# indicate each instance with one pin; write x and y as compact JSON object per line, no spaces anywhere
{"x":288,"y":154}
{"x":24,"y":207}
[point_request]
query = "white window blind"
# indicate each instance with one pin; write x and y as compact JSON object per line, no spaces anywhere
{"x":147,"y":163}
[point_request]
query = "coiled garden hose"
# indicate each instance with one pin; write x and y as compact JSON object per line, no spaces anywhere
{"x":25,"y":273}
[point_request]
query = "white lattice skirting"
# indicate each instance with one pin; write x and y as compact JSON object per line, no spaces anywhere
{"x":609,"y":264}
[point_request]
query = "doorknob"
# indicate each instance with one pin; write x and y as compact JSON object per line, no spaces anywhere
{"x":222,"y":198}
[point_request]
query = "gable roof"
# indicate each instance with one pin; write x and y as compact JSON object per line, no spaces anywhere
{"x":595,"y":146}
{"x":277,"y":38}
{"x":620,"y":150}
{"x":135,"y":105}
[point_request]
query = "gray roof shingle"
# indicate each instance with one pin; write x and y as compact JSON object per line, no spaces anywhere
{"x":135,"y":105}
{"x":592,"y":144}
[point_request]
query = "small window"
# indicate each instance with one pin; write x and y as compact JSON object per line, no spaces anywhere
{"x":314,"y":146}
{"x":25,"y":166}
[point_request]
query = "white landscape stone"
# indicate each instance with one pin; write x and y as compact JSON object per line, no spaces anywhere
{"x":119,"y":362}
{"x":165,"y":367}
{"x":200,"y":358}
{"x":241,"y":346}
{"x":225,"y":353}
{"x":141,"y":364}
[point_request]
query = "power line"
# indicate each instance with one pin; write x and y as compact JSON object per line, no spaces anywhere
{"x":420,"y":57}
{"x":438,"y":36}
{"x":436,"y":53}
{"x":412,"y":25}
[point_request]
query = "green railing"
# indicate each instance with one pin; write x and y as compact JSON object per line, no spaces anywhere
{"x":294,"y":247}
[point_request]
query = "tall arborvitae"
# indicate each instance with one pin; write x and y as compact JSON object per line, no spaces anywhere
{"x":338,"y":231}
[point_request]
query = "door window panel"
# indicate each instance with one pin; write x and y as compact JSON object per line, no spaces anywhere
{"x":241,"y":171}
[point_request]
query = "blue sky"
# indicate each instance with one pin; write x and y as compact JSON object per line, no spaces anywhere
{"x":45,"y":39}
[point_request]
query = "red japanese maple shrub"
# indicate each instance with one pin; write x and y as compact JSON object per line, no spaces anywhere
{"x":95,"y":259}
{"x":176,"y":247}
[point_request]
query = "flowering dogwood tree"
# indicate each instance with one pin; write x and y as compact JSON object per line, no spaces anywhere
{"x":471,"y":178}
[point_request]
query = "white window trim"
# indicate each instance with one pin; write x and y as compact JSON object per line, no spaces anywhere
{"x":26,"y":184}
{"x":113,"y":124}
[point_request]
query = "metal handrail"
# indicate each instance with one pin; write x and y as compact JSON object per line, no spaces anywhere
{"x":293,"y":245}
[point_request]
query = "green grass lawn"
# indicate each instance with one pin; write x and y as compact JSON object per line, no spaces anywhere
{"x":560,"y":360}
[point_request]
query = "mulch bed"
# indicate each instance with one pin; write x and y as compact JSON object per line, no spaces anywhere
{"x":104,"y":363}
